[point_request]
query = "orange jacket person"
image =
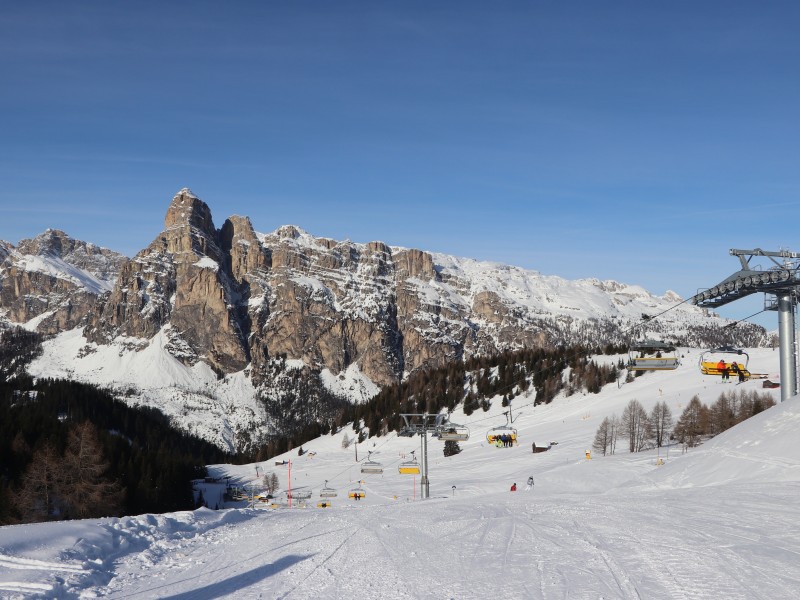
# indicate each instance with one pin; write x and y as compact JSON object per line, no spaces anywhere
{"x":723,"y":369}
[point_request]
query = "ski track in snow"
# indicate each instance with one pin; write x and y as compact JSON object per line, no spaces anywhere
{"x":517,"y":545}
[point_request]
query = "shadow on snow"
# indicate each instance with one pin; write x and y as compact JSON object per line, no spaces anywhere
{"x":243,"y":580}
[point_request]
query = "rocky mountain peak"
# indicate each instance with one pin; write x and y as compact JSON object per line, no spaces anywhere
{"x":188,"y":209}
{"x":239,"y":227}
{"x":189,"y":230}
{"x":288,"y":232}
{"x":53,"y":242}
{"x":56,"y":279}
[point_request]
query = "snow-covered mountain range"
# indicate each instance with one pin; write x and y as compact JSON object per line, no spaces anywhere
{"x":203,"y":321}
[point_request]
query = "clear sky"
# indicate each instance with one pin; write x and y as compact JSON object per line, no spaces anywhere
{"x":635,"y":141}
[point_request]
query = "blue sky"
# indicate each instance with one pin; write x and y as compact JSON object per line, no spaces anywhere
{"x":634,"y":141}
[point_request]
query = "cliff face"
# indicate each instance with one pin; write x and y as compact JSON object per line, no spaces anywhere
{"x":181,"y":279}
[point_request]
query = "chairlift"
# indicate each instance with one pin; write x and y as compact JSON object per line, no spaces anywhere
{"x":452,"y":432}
{"x":709,"y":361}
{"x":652,"y":355}
{"x":299,"y":494}
{"x":370,"y":466}
{"x":327,"y":492}
{"x":409,"y":467}
{"x":357,"y":493}
{"x":496,"y":434}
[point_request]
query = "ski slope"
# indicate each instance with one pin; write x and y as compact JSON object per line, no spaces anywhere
{"x":717,"y":521}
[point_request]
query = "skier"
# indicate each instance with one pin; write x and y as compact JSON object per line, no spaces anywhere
{"x":514,"y":488}
{"x":529,"y":486}
{"x":737,"y":371}
{"x":723,"y":369}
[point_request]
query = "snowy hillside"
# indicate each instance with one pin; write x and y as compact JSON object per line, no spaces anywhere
{"x":717,"y":521}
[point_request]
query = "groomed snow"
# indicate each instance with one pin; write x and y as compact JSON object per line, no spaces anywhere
{"x":718,"y":521}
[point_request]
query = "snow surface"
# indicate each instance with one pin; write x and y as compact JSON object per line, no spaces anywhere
{"x":143,"y":372}
{"x":207,"y":263}
{"x":717,"y":521}
{"x":350,"y":383}
{"x":54,"y":266}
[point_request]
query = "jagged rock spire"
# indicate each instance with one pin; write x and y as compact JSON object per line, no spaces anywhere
{"x":186,"y":208}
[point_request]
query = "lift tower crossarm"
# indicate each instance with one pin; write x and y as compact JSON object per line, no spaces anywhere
{"x":776,"y":280}
{"x":785,"y":254}
{"x":781,"y":280}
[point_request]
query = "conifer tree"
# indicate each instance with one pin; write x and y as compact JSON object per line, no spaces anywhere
{"x":451,"y":448}
{"x":86,"y":491}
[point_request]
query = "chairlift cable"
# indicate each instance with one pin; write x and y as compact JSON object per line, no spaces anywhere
{"x":735,"y":323}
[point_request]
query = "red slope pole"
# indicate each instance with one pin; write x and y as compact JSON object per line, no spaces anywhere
{"x":290,"y":483}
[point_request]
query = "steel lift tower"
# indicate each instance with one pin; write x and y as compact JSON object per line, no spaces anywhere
{"x":780,"y":282}
{"x":423,"y":424}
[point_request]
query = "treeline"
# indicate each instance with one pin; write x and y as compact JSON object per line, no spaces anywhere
{"x":70,"y":450}
{"x":18,"y":347}
{"x":645,"y":431}
{"x":477,"y":380}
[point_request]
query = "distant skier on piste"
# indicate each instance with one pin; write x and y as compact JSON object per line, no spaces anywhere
{"x":529,"y":485}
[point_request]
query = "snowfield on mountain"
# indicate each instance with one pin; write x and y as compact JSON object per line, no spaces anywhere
{"x":715,"y":521}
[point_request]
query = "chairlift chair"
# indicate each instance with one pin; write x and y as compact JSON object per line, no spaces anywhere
{"x":357,"y":492}
{"x":299,"y":494}
{"x":370,"y":466}
{"x":327,"y":492}
{"x":409,"y":467}
{"x":709,"y":360}
{"x":495,"y":433}
{"x":452,"y":432}
{"x":664,"y":356}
